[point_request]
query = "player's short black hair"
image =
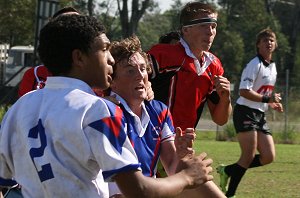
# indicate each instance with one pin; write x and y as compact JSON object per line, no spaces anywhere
{"x":63,"y":34}
{"x":65,"y":10}
{"x":167,"y":38}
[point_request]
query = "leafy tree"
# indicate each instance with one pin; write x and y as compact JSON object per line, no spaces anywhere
{"x":138,"y":8}
{"x":152,"y":27}
{"x":17,"y":22}
{"x":91,"y":7}
{"x":288,"y":13}
{"x":246,"y":18}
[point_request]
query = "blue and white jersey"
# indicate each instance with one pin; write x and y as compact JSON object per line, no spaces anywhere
{"x":55,"y":141}
{"x":260,"y":77}
{"x":148,"y":133}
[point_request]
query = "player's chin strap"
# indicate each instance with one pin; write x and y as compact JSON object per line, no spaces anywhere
{"x":199,"y":21}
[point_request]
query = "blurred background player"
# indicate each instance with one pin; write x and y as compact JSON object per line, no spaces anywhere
{"x":253,"y":133}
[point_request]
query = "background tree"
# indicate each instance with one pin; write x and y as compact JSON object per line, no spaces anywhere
{"x":17,"y":22}
{"x":239,"y":22}
{"x":288,"y":14}
{"x":129,"y":24}
{"x":91,"y":7}
{"x":235,"y":42}
{"x":109,"y":15}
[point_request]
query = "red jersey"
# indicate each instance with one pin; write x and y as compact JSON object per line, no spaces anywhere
{"x":177,"y":83}
{"x":33,"y":78}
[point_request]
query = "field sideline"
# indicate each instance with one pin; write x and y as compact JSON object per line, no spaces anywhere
{"x":277,"y":180}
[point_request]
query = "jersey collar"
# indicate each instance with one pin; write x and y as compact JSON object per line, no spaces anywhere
{"x":208,"y":59}
{"x":58,"y":82}
{"x":263,"y":60}
{"x":140,"y":124}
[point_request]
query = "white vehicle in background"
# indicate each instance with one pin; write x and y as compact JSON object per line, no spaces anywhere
{"x":18,"y":58}
{"x":3,"y":57}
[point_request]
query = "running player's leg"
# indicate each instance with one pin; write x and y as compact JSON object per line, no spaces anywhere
{"x":266,"y":148}
{"x":245,"y":123}
{"x":265,"y":144}
{"x":248,"y":143}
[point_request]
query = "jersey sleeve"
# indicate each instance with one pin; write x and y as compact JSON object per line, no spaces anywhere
{"x":217,"y":70}
{"x":110,"y":144}
{"x":249,"y":74}
{"x":164,"y":118}
{"x":5,"y":172}
{"x":166,"y":58}
{"x":168,"y":131}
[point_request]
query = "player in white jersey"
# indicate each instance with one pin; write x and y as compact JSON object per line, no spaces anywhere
{"x":54,"y":141}
{"x":256,"y":87}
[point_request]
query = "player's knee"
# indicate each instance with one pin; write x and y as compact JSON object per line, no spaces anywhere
{"x":267,"y":159}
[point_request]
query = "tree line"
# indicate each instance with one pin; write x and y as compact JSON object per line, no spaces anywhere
{"x":238,"y":23}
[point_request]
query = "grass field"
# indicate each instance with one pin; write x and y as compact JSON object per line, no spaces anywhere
{"x":281,"y":179}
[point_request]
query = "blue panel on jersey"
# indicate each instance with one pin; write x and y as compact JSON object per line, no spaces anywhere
{"x":113,"y":129}
{"x":108,"y":174}
{"x":7,"y":182}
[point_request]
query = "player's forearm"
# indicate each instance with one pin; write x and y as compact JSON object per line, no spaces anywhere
{"x":1,"y":195}
{"x":250,"y":95}
{"x":141,"y":186}
{"x":169,"y":157}
{"x":221,"y":112}
{"x":171,"y":166}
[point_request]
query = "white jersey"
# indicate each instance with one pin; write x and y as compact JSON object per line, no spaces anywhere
{"x":54,"y":142}
{"x":260,"y":77}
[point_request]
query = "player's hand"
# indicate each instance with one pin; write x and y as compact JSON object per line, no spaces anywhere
{"x":222,"y":86}
{"x":197,"y":168}
{"x":276,"y":98}
{"x":276,"y":106}
{"x":150,"y":93}
{"x":184,"y":141}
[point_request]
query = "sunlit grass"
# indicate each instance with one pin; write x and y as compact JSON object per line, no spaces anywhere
{"x":277,"y":180}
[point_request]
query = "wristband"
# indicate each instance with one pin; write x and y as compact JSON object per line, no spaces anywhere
{"x":265,"y":99}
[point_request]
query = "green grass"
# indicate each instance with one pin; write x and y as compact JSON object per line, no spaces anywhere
{"x":276,"y":180}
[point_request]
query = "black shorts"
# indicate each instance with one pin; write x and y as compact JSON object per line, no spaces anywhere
{"x":248,"y":119}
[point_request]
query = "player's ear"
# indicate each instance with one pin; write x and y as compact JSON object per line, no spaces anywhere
{"x":184,"y":30}
{"x":78,"y":58}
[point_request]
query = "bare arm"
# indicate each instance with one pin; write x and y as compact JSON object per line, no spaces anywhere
{"x":168,"y":157}
{"x":194,"y":171}
{"x":256,"y":97}
{"x":220,"y":112}
{"x":184,"y":144}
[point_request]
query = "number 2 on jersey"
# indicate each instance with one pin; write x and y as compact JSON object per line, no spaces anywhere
{"x":38,"y":133}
